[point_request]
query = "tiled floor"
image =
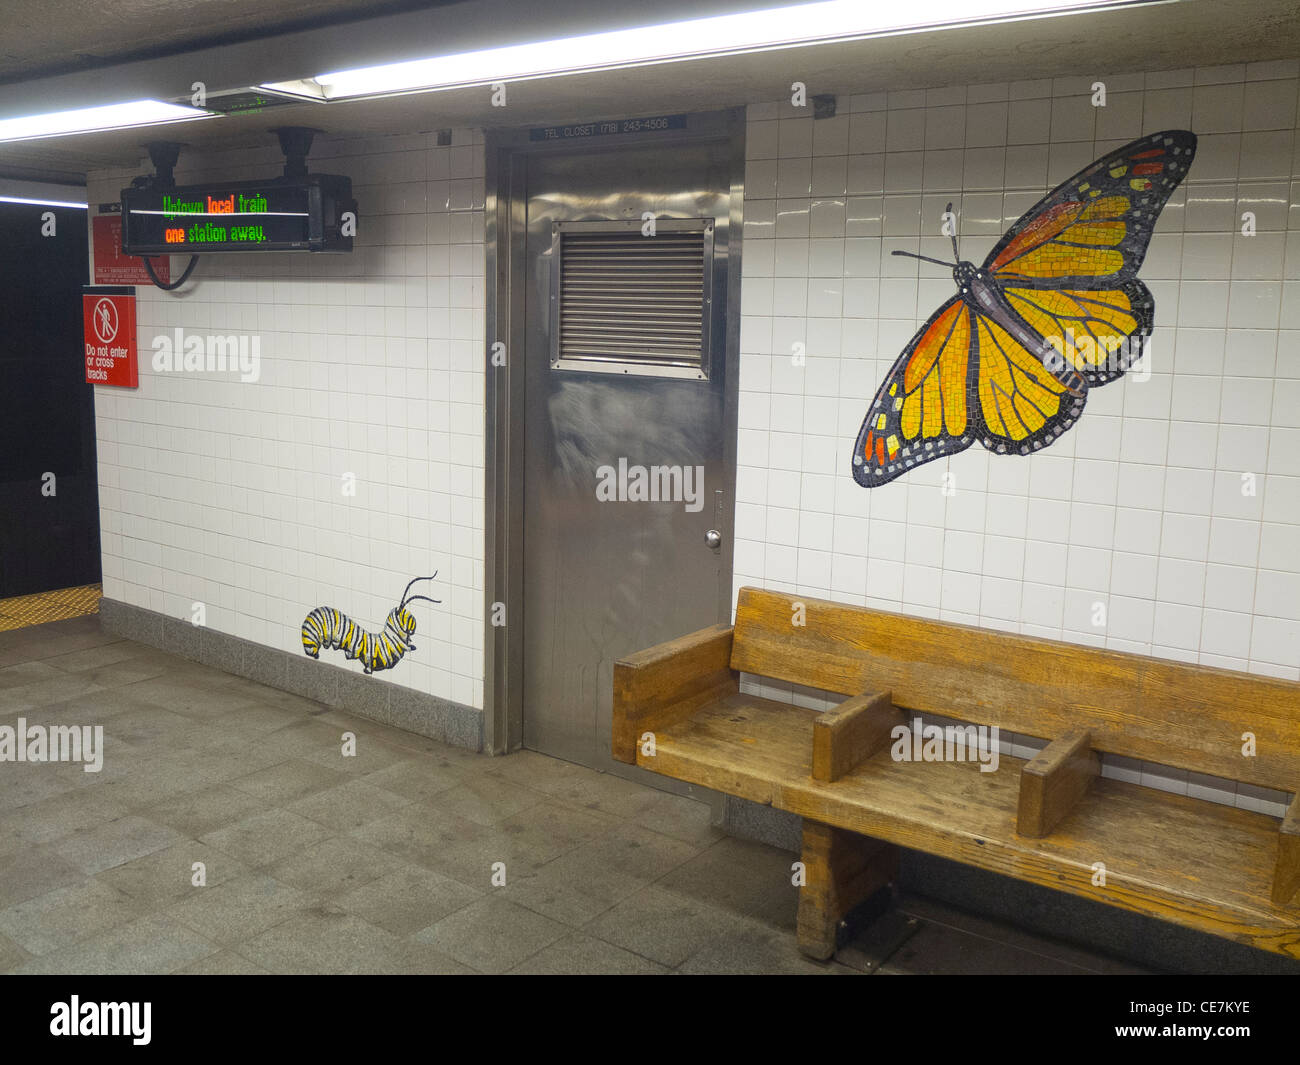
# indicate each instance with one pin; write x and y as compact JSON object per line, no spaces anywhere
{"x":382,"y":862}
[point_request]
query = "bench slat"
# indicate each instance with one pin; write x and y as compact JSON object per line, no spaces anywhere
{"x":1187,"y":716}
{"x":1171,"y":857}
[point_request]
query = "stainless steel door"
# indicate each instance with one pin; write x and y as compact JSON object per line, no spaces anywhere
{"x":607,"y":576}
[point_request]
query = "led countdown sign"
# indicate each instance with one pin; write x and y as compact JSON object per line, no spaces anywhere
{"x":276,"y":215}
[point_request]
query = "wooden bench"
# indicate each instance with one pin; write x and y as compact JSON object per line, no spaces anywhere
{"x":1052,"y":820}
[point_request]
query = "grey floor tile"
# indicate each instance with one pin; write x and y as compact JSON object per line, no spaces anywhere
{"x":65,"y":915}
{"x":348,"y":806}
{"x":25,"y":673}
{"x":223,"y":963}
{"x":11,"y":954}
{"x":97,"y":707}
{"x":743,"y":877}
{"x":104,"y":655}
{"x":115,"y":843}
{"x":309,"y":739}
{"x":488,"y":801}
{"x":42,"y":692}
{"x":394,"y":737}
{"x":241,"y":686}
{"x":550,"y":828}
{"x":538,"y":771}
{"x":61,"y":815}
{"x":32,"y":871}
{"x":24,"y":783}
{"x":231,"y":912}
{"x":579,"y":886}
{"x":663,"y":925}
{"x":266,"y":837}
{"x":758,"y":949}
{"x":148,"y":727}
{"x":578,"y":786}
{"x":408,"y":899}
{"x":413,"y":958}
{"x":492,"y":935}
{"x":200,"y":812}
{"x":334,"y":866}
{"x":123,"y":673}
{"x":167,"y":876}
{"x":287,"y":781}
{"x":420,"y":780}
{"x":152,"y":944}
{"x":424,"y":836}
{"x":686,"y":819}
{"x":323,"y":940}
{"x":189,"y":696}
{"x":491,"y":852}
{"x":257,"y":717}
{"x":369,"y":754}
{"x":577,"y":954}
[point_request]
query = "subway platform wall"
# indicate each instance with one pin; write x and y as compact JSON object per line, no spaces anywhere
{"x":1165,"y":522}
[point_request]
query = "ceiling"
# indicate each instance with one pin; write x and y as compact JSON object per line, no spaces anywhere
{"x":1171,"y":35}
{"x":44,"y":37}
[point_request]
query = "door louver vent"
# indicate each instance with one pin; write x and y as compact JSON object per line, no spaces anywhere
{"x":628,"y":303}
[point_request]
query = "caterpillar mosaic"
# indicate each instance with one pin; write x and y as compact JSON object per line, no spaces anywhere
{"x":330,"y":629}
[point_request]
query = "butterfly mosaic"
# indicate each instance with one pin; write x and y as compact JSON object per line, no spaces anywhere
{"x":1055,"y":310}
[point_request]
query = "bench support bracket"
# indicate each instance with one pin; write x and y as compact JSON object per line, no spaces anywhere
{"x":842,"y":870}
{"x":1286,"y":875}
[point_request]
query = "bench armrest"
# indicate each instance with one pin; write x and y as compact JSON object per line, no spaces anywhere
{"x":659,"y":686}
{"x":851,"y":733}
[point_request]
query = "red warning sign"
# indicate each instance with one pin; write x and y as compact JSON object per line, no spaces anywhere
{"x":109,"y":323}
{"x":114,"y":268}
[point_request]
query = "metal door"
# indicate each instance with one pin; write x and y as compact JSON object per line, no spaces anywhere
{"x":609,"y":572}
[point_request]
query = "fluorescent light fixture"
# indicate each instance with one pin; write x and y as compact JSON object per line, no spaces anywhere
{"x":41,"y":203}
{"x":779,"y":27}
{"x":90,"y":119}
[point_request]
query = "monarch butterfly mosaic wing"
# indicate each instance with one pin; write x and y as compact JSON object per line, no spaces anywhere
{"x":1019,"y":406}
{"x":922,"y":409}
{"x":1069,"y":266}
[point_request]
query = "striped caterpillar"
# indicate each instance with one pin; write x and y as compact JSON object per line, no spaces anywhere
{"x":331,"y":629}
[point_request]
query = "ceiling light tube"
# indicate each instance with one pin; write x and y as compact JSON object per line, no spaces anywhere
{"x":779,"y":27}
{"x":92,"y":119}
{"x":42,"y":203}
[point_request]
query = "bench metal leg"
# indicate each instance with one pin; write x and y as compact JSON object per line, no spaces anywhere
{"x":842,"y":869}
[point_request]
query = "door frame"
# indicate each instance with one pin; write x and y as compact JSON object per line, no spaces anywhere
{"x":505,"y":233}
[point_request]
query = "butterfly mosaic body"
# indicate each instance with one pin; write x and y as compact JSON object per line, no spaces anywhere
{"x":1054,"y":310}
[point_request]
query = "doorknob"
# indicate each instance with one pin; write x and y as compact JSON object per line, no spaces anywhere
{"x":713,"y":538}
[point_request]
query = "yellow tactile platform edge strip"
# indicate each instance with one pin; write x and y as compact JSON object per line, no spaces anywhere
{"x":24,"y":610}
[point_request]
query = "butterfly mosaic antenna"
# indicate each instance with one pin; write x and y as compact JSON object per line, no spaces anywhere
{"x":924,"y":258}
{"x":951,"y":219}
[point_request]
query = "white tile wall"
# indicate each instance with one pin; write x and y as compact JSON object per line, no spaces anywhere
{"x":1140,"y":507}
{"x":230,"y":493}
